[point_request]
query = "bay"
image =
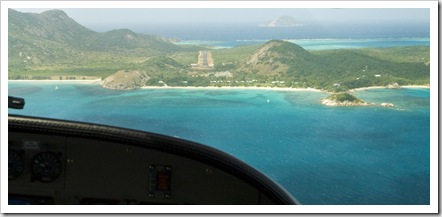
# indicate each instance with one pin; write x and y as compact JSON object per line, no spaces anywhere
{"x":321,"y":155}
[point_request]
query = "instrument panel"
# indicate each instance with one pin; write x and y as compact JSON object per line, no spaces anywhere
{"x":34,"y":162}
{"x":64,"y":168}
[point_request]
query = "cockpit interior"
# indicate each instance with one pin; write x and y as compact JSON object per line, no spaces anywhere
{"x":60,"y":162}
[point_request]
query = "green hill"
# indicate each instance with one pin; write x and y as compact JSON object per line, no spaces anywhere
{"x":336,"y":70}
{"x":51,"y":43}
{"x":52,"y":26}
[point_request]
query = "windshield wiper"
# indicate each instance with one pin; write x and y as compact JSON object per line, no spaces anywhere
{"x":15,"y":102}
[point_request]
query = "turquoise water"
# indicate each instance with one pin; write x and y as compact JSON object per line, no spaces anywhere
{"x":323,"y":44}
{"x":228,"y":34}
{"x":322,"y":155}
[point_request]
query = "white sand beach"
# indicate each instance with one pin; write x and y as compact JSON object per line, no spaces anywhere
{"x":382,"y":87}
{"x":236,"y":88}
{"x":416,"y":86}
{"x":99,"y":81}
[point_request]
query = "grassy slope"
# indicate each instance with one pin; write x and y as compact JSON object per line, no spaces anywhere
{"x":404,"y":65}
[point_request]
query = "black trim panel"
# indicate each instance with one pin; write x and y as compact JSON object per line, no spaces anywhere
{"x":184,"y":148}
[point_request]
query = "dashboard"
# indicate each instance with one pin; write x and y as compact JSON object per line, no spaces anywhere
{"x":62,"y":162}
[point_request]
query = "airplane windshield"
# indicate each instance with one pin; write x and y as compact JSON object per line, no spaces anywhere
{"x":332,"y":104}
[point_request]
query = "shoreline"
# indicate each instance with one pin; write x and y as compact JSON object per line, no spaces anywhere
{"x":98,"y":81}
{"x":237,"y":88}
{"x":383,"y":87}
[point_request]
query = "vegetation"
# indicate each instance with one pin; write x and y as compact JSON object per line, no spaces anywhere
{"x":342,"y":97}
{"x":52,"y":45}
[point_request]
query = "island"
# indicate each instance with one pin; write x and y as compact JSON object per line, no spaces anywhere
{"x":344,"y":99}
{"x":125,"y":60}
{"x":284,"y":21}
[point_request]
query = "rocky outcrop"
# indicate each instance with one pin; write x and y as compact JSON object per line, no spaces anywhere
{"x":344,"y":99}
{"x":331,"y":102}
{"x":384,"y":104}
{"x":393,"y":86}
{"x":126,"y":80}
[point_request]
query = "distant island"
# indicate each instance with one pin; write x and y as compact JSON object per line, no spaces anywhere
{"x":284,"y":21}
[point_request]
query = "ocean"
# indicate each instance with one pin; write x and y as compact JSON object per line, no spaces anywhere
{"x":321,"y":44}
{"x":321,"y":155}
{"x":309,"y":36}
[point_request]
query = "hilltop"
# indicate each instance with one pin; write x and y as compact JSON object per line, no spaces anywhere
{"x":51,"y":41}
{"x":55,"y":27}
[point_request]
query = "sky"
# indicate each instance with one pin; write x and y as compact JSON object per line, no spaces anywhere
{"x":124,"y":17}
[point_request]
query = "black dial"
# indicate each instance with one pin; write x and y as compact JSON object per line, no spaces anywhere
{"x":46,"y":167}
{"x":15,"y":164}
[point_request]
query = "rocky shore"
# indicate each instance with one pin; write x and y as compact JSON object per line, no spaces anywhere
{"x":331,"y":102}
{"x":344,"y":99}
